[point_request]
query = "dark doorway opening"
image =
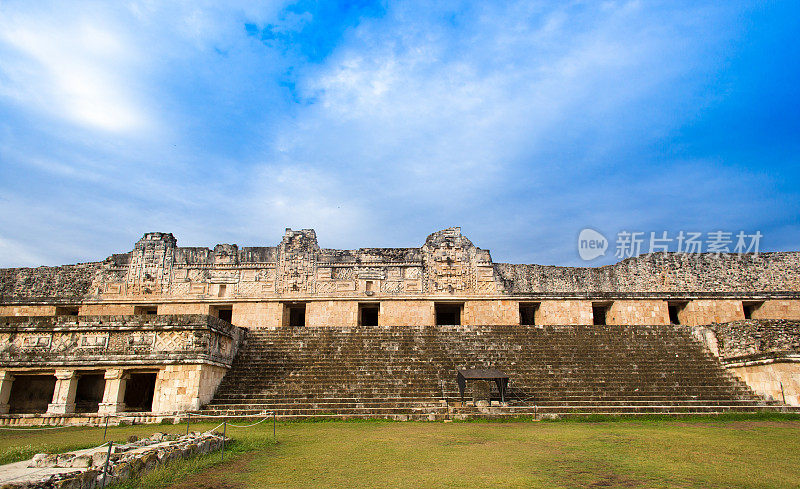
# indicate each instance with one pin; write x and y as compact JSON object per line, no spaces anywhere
{"x":145,"y":310}
{"x":139,"y":392}
{"x":676,"y":311}
{"x":30,"y":394}
{"x":673,"y":315}
{"x":89,"y":392}
{"x":599,"y":314}
{"x":368,"y":314}
{"x":67,"y":311}
{"x":448,"y":313}
{"x":223,"y":312}
{"x":527,"y":313}
{"x":294,"y":314}
{"x":750,"y":308}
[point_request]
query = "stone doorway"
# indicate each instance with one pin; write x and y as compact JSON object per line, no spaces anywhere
{"x":139,"y":392}
{"x":31,"y":394}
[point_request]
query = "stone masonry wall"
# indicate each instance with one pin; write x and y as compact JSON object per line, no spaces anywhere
{"x":778,"y":309}
{"x":779,"y":381}
{"x":332,"y":313}
{"x":638,"y":312}
{"x":84,"y":341}
{"x":490,"y":312}
{"x":27,"y":310}
{"x":662,"y":272}
{"x":564,"y":312}
{"x":447,"y":265}
{"x":757,"y":339}
{"x":407,"y":313}
{"x":765,"y":354}
{"x":67,"y":282}
{"x":699,"y":312}
{"x":186,"y":387}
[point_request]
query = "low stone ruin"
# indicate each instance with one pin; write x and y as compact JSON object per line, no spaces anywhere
{"x":83,"y":469}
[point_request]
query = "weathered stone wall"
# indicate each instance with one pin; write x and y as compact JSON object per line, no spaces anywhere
{"x":186,"y":387}
{"x":183,"y":308}
{"x":757,"y":339}
{"x":83,"y":341}
{"x":407,"y":313}
{"x":638,"y":312}
{"x":699,"y":312}
{"x":765,"y":354}
{"x":332,"y":313}
{"x":257,"y":314}
{"x":106,"y":310}
{"x":447,"y":265}
{"x":777,"y":381}
{"x":662,"y":272}
{"x":568,"y":313}
{"x":27,"y":310}
{"x":490,"y":312}
{"x":778,"y":309}
{"x":66,"y":282}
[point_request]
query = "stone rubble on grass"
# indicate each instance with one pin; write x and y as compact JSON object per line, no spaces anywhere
{"x":129,"y":460}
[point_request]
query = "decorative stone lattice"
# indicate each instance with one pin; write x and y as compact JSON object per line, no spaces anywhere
{"x":449,"y":262}
{"x":296,"y":257}
{"x":151,"y":264}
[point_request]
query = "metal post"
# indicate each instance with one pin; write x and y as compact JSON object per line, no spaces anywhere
{"x":273,"y":425}
{"x":105,"y":468}
{"x":188,"y":418}
{"x":782,"y":395}
{"x":105,"y":430}
{"x":224,"y":428}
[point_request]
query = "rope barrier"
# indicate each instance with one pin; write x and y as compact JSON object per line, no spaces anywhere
{"x":212,"y":430}
{"x":249,"y":425}
{"x":123,"y":416}
{"x":36,"y":429}
{"x":193,"y":415}
{"x":105,"y":416}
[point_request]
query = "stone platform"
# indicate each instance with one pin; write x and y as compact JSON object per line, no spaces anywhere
{"x":410,"y":372}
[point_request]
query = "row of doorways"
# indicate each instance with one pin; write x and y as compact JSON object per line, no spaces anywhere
{"x":31,"y":394}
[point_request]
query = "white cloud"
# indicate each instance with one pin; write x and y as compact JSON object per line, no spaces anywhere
{"x":79,"y":69}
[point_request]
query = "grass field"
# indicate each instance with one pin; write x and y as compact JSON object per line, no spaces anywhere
{"x":696,"y":452}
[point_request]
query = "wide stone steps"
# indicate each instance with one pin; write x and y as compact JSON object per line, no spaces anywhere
{"x":410,"y":371}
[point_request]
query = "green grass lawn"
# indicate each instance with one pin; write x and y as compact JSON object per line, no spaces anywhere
{"x":694,"y":452}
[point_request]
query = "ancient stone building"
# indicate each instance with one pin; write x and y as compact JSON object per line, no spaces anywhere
{"x":156,"y":330}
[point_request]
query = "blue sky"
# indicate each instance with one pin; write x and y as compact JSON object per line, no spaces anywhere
{"x":378,"y":123}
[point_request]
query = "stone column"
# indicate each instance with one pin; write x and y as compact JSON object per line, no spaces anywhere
{"x":114,"y":394}
{"x":6,"y":380}
{"x":64,"y":393}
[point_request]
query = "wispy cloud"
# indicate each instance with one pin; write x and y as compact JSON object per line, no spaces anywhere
{"x":74,"y":68}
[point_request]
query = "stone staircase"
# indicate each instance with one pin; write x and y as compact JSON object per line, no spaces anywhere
{"x":410,"y":372}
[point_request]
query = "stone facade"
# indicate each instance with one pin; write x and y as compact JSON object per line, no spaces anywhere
{"x":447,"y":265}
{"x":166,"y":311}
{"x":186,"y":356}
{"x":257,"y":282}
{"x":765,"y":354}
